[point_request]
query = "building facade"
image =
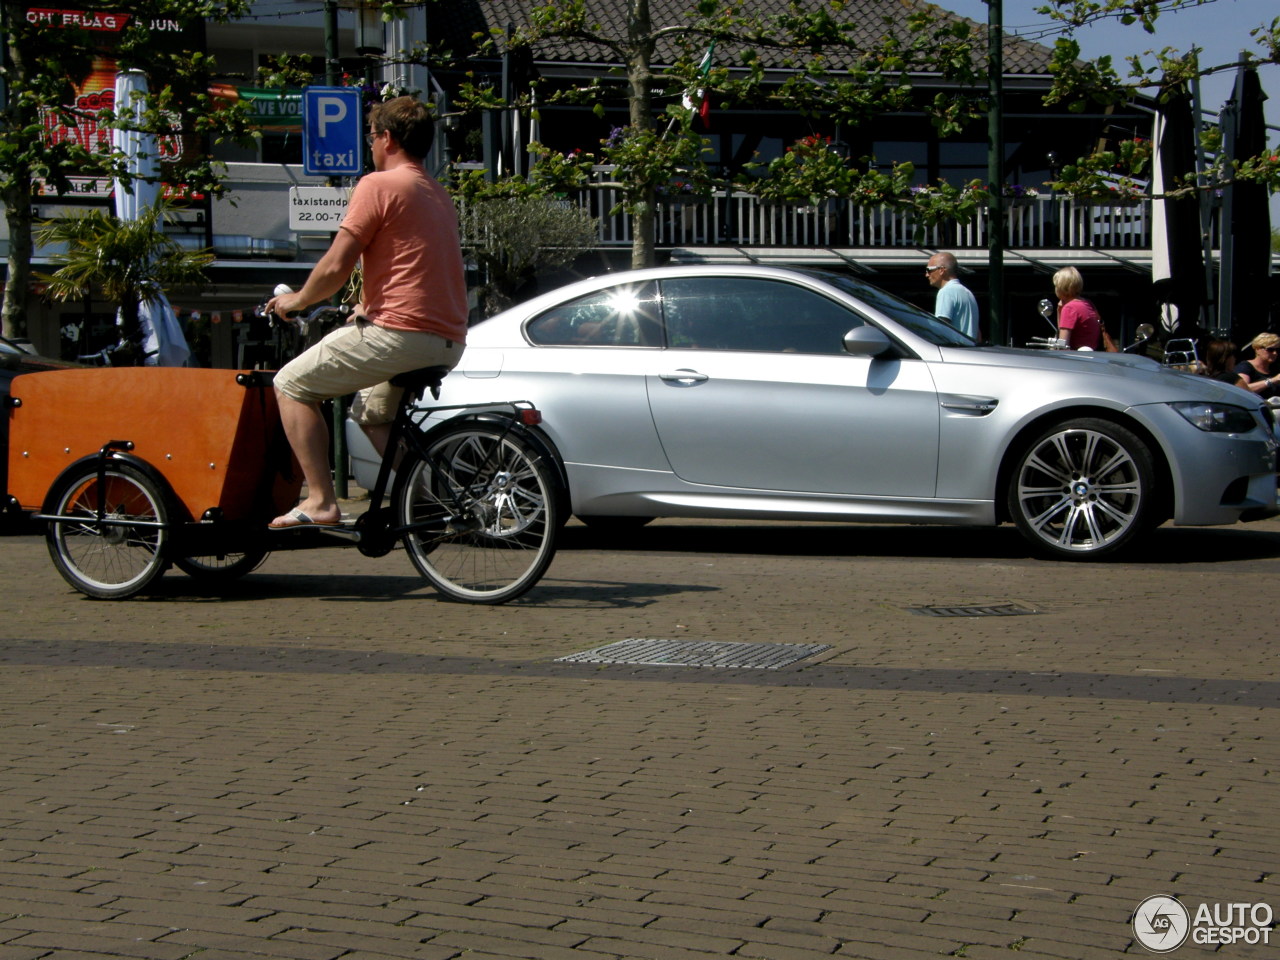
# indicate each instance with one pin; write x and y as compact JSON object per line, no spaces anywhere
{"x":258,"y":244}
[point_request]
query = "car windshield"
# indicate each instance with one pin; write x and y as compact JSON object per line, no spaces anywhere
{"x":924,"y":325}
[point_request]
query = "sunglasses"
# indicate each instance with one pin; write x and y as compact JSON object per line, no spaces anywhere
{"x":1270,"y":349}
{"x":933,"y":268}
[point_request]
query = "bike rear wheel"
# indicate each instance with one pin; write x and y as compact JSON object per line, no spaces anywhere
{"x":489,"y":503}
{"x":121,"y":556}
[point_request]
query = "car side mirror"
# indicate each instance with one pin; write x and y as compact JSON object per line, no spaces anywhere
{"x":867,"y":341}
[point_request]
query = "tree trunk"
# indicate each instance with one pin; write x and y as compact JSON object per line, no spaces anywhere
{"x":18,"y":115}
{"x":640,"y":81}
{"x":643,"y":217}
{"x":17,"y":203}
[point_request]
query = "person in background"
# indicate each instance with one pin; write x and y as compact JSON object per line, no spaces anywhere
{"x":1078,"y":320}
{"x":1260,"y":373}
{"x":1220,"y":362}
{"x":954,"y":303}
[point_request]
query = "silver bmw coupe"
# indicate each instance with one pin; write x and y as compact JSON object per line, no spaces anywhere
{"x":766,"y":393}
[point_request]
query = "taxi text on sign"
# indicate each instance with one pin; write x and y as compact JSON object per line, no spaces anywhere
{"x":332,"y":128}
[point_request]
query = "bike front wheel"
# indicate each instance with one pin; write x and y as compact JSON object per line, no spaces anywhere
{"x":119,"y":557}
{"x":481,"y":511}
{"x":224,"y":567}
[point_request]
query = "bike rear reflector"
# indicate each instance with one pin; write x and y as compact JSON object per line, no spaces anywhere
{"x":530,"y":416}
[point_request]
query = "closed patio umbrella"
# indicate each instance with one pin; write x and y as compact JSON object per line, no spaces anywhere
{"x":1177,"y":261}
{"x":1246,"y":272}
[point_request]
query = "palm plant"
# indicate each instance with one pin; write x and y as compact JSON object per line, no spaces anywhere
{"x":127,"y":261}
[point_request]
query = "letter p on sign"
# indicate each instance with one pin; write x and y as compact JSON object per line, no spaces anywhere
{"x":332,"y":110}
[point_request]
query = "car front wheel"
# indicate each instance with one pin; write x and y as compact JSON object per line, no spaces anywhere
{"x":1083,"y":489}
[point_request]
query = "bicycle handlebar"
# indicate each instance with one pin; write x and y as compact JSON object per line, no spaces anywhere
{"x":295,"y":317}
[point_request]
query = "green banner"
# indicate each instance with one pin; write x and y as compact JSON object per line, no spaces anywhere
{"x":273,"y":109}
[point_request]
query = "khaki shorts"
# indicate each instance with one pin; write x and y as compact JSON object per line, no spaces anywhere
{"x":362,"y":356}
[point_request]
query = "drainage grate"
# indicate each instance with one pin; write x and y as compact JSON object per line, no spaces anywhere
{"x":989,"y":610}
{"x":694,"y":653}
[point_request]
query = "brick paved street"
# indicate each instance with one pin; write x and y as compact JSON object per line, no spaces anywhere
{"x":333,"y":763}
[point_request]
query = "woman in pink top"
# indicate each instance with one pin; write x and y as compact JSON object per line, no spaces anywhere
{"x":1078,"y":321}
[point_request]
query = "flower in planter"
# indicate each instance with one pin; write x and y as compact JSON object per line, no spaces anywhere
{"x":560,"y":171}
{"x":679,"y":190}
{"x":808,"y":171}
{"x":1019,"y":192}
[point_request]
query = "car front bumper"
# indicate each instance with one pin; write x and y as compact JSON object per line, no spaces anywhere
{"x":1218,"y":478}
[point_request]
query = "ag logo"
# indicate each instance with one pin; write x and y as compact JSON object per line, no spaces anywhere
{"x":1161,"y":924}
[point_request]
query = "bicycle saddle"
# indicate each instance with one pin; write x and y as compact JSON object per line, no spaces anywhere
{"x":417,"y":382}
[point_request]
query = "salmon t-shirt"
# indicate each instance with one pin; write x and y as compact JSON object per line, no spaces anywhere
{"x":408,"y":230}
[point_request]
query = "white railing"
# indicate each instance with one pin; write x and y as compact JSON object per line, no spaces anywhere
{"x":742,"y":219}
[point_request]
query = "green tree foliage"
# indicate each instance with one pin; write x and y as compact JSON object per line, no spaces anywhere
{"x":44,"y":63}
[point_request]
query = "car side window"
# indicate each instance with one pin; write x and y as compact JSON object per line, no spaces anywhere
{"x":742,"y":313}
{"x":622,"y":316}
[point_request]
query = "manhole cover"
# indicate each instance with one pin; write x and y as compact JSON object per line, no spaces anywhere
{"x":695,"y":653}
{"x":987,"y":610}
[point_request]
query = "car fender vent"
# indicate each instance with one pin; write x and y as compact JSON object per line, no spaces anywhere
{"x":697,"y":653}
{"x":968,"y":406}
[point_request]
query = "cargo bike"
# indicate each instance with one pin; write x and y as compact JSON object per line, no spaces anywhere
{"x":134,"y":470}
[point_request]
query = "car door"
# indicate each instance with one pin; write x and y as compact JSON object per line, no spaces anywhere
{"x":755,"y":390}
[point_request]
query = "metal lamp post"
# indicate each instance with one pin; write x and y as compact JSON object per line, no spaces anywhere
{"x":995,"y":173}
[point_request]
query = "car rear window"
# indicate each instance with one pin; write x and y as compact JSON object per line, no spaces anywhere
{"x":622,"y":316}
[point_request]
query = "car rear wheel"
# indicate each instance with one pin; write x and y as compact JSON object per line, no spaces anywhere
{"x":1083,"y":489}
{"x":482,"y":511}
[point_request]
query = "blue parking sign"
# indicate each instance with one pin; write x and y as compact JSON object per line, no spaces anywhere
{"x":332,"y":127}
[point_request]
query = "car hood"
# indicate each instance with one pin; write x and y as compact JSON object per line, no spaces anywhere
{"x":1147,"y":378}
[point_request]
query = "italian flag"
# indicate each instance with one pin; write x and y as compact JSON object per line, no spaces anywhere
{"x":697,"y":99}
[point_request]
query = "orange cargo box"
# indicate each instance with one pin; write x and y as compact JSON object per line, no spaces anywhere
{"x":216,"y":441}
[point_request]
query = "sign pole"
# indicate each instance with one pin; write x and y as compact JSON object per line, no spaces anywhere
{"x":333,"y":77}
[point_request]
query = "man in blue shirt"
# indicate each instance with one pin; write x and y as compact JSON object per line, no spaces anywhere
{"x":955,"y":304}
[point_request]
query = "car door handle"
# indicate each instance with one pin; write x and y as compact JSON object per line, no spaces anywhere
{"x":683,"y":376}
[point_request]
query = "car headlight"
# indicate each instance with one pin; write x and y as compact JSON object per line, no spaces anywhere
{"x":1216,"y":417}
